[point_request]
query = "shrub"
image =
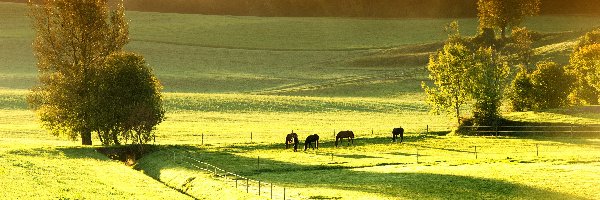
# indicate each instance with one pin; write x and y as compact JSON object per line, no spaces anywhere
{"x":584,"y":66}
{"x":548,"y":86}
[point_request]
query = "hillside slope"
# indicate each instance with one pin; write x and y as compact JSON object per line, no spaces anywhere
{"x":344,"y":8}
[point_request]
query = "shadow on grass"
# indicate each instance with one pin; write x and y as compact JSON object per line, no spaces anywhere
{"x":417,"y":185}
{"x":68,"y":152}
{"x":393,"y":185}
{"x":577,"y":111}
{"x":355,"y":156}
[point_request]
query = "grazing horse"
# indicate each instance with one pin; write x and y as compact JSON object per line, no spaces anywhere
{"x":291,"y":138}
{"x":398,"y":131}
{"x":344,"y":134}
{"x":309,"y":140}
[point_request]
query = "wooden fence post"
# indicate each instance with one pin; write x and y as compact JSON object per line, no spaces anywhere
{"x":202,"y":139}
{"x":427,"y":129}
{"x":497,"y":131}
{"x":247,"y":186}
{"x":475,"y":152}
{"x":417,"y":155}
{"x":572,"y":129}
{"x":271,"y":190}
{"x":259,"y":188}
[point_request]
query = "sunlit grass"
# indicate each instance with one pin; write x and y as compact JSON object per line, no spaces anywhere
{"x":235,"y":86}
{"x":446,"y":167}
{"x":68,"y":172}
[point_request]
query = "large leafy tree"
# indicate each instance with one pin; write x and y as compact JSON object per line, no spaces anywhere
{"x":503,"y":14}
{"x":72,"y":37}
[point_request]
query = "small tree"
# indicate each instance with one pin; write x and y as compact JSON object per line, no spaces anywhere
{"x":548,"y":86}
{"x":72,"y":36}
{"x":503,"y":14}
{"x":489,"y":81}
{"x":129,"y":102}
{"x":584,"y":66}
{"x":519,"y":50}
{"x":521,"y":94}
{"x":448,"y":70}
{"x":552,"y":85}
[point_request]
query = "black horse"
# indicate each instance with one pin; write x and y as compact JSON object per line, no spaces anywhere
{"x":398,"y":131}
{"x":309,"y":140}
{"x":344,"y":134}
{"x":291,"y":138}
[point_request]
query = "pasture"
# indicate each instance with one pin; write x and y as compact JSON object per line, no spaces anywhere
{"x":235,"y":86}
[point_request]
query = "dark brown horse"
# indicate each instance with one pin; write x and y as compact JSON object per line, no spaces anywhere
{"x":344,"y":134}
{"x":291,"y":138}
{"x":398,"y":131}
{"x":309,"y":140}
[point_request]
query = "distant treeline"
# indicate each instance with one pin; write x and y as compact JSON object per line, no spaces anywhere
{"x":344,"y":8}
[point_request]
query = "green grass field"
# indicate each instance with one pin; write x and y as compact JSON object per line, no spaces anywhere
{"x":228,"y":79}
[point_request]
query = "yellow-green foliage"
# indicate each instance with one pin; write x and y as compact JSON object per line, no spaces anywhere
{"x":585,"y":67}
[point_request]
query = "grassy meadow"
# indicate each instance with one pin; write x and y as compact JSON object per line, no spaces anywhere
{"x":234,"y":86}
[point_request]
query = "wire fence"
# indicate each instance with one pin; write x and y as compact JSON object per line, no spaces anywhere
{"x":327,"y":135}
{"x":251,"y":186}
{"x":417,"y":151}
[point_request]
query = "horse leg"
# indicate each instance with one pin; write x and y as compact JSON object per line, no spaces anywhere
{"x":401,"y":137}
{"x":317,"y":144}
{"x":336,"y":141}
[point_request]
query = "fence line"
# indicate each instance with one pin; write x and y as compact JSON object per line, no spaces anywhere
{"x":329,"y":134}
{"x":221,"y":173}
{"x":267,"y":189}
{"x":423,"y":155}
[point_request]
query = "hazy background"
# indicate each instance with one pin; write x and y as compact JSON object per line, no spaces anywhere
{"x":344,"y":8}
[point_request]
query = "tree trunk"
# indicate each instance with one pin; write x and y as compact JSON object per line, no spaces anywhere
{"x":86,"y":137}
{"x":115,"y":138}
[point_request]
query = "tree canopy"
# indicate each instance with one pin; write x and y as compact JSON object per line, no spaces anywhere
{"x":449,"y":69}
{"x":503,"y":14}
{"x":128,"y":100}
{"x":467,"y":70}
{"x":71,"y":38}
{"x":548,"y":86}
